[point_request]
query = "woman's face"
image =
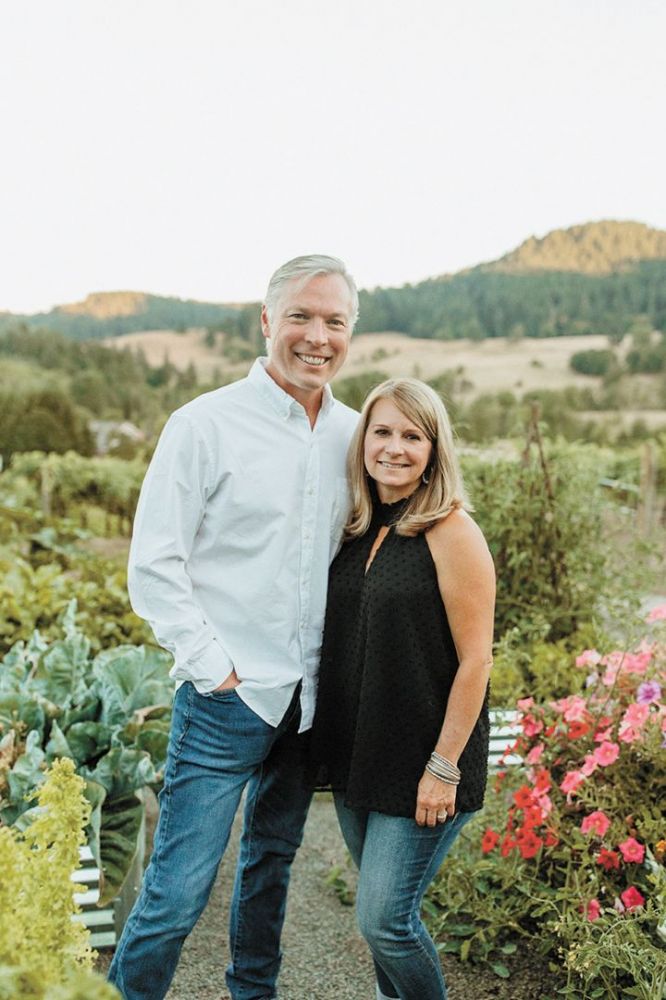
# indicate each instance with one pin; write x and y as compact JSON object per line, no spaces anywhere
{"x":396,"y":451}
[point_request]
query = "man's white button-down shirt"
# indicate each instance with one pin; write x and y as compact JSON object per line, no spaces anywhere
{"x":240,"y":515}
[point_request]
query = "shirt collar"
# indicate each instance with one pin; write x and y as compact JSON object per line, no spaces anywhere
{"x":280,"y":400}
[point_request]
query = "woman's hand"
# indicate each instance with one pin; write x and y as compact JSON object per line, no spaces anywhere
{"x":435,"y":800}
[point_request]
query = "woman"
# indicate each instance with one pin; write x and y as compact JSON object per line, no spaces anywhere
{"x":401,"y":728}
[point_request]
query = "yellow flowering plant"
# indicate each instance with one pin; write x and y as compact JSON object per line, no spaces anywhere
{"x":44,"y":953}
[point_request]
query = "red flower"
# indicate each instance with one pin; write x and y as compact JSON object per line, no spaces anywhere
{"x":593,"y":910}
{"x":533,"y":817}
{"x":608,"y":859}
{"x":551,"y":839}
{"x":577,"y":729}
{"x":508,"y":845}
{"x":543,"y":780}
{"x":523,"y":797}
{"x":632,"y":898}
{"x":490,"y":841}
{"x":530,"y":844}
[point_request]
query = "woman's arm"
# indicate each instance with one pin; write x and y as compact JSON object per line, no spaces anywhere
{"x":466,"y":578}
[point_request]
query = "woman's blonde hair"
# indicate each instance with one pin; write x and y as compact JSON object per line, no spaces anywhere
{"x":444,"y":490}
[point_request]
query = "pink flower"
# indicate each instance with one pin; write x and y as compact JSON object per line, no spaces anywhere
{"x":648,"y":692}
{"x":632,"y":850}
{"x":545,"y":805}
{"x":613,"y":664}
{"x":636,"y":714}
{"x":572,"y":781}
{"x":637,"y":663}
{"x":590,"y":765}
{"x":597,"y":822}
{"x":607,"y":753}
{"x":576,"y":709}
{"x":603,"y":735}
{"x":531,"y":726}
{"x":535,"y":753}
{"x":632,"y":898}
{"x":632,"y":721}
{"x":656,"y":614}
{"x":589,"y":657}
{"x":525,"y":703}
{"x":593,"y":909}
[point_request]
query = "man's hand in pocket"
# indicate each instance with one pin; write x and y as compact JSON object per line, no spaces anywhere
{"x":229,"y":682}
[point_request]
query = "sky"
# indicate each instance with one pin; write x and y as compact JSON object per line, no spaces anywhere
{"x":190,"y":148}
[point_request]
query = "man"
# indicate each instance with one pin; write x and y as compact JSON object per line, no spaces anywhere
{"x":241,"y":511}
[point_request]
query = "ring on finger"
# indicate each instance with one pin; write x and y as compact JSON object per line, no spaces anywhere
{"x":442,"y":817}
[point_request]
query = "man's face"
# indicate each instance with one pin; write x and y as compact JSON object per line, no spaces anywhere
{"x":309,"y":334}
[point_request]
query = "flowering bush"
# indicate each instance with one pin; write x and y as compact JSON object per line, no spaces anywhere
{"x":44,"y":954}
{"x":578,"y":835}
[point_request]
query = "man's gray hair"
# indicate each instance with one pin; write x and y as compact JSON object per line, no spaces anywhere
{"x":305,"y":268}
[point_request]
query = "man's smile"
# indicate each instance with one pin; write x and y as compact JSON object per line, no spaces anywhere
{"x":312,"y":359}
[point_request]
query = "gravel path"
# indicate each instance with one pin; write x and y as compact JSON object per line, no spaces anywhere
{"x":324,"y":956}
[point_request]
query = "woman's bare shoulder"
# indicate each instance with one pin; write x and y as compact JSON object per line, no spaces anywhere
{"x":457,"y":536}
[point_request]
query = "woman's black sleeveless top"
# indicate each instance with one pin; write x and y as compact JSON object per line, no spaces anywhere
{"x":388,"y":663}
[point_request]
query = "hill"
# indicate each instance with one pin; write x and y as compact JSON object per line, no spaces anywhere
{"x":593,"y":279}
{"x":595,"y":248}
{"x":111,"y":314}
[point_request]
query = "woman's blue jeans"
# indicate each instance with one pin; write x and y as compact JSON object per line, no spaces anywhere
{"x":397,"y":860}
{"x":217,"y":747}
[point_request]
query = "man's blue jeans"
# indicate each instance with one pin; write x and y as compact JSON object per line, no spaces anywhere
{"x":217,"y":747}
{"x":397,"y":860}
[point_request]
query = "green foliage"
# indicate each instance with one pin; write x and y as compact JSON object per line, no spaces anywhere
{"x":44,"y":953}
{"x":237,"y":351}
{"x":353,"y":390}
{"x":43,"y":567}
{"x":486,"y":302}
{"x":46,"y":419}
{"x":113,"y":313}
{"x":542,"y":516}
{"x":109,"y":713}
{"x":593,"y":362}
{"x":67,"y":484}
{"x":573,"y":852}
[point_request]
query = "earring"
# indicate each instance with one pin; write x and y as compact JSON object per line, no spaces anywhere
{"x":425,"y":478}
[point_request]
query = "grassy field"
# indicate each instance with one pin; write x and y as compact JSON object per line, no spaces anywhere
{"x":488,"y":365}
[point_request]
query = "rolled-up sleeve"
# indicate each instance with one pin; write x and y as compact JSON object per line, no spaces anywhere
{"x":169,"y":513}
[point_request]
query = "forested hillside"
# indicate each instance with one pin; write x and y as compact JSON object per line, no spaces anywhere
{"x":595,"y":278}
{"x":589,"y":279}
{"x":107,"y":314}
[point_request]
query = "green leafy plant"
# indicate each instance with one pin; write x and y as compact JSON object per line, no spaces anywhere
{"x":109,"y":713}
{"x":44,"y":953}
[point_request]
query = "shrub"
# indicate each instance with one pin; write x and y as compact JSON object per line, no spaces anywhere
{"x":574,"y":842}
{"x":546,"y":522}
{"x":593,"y":362}
{"x":44,"y":954}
